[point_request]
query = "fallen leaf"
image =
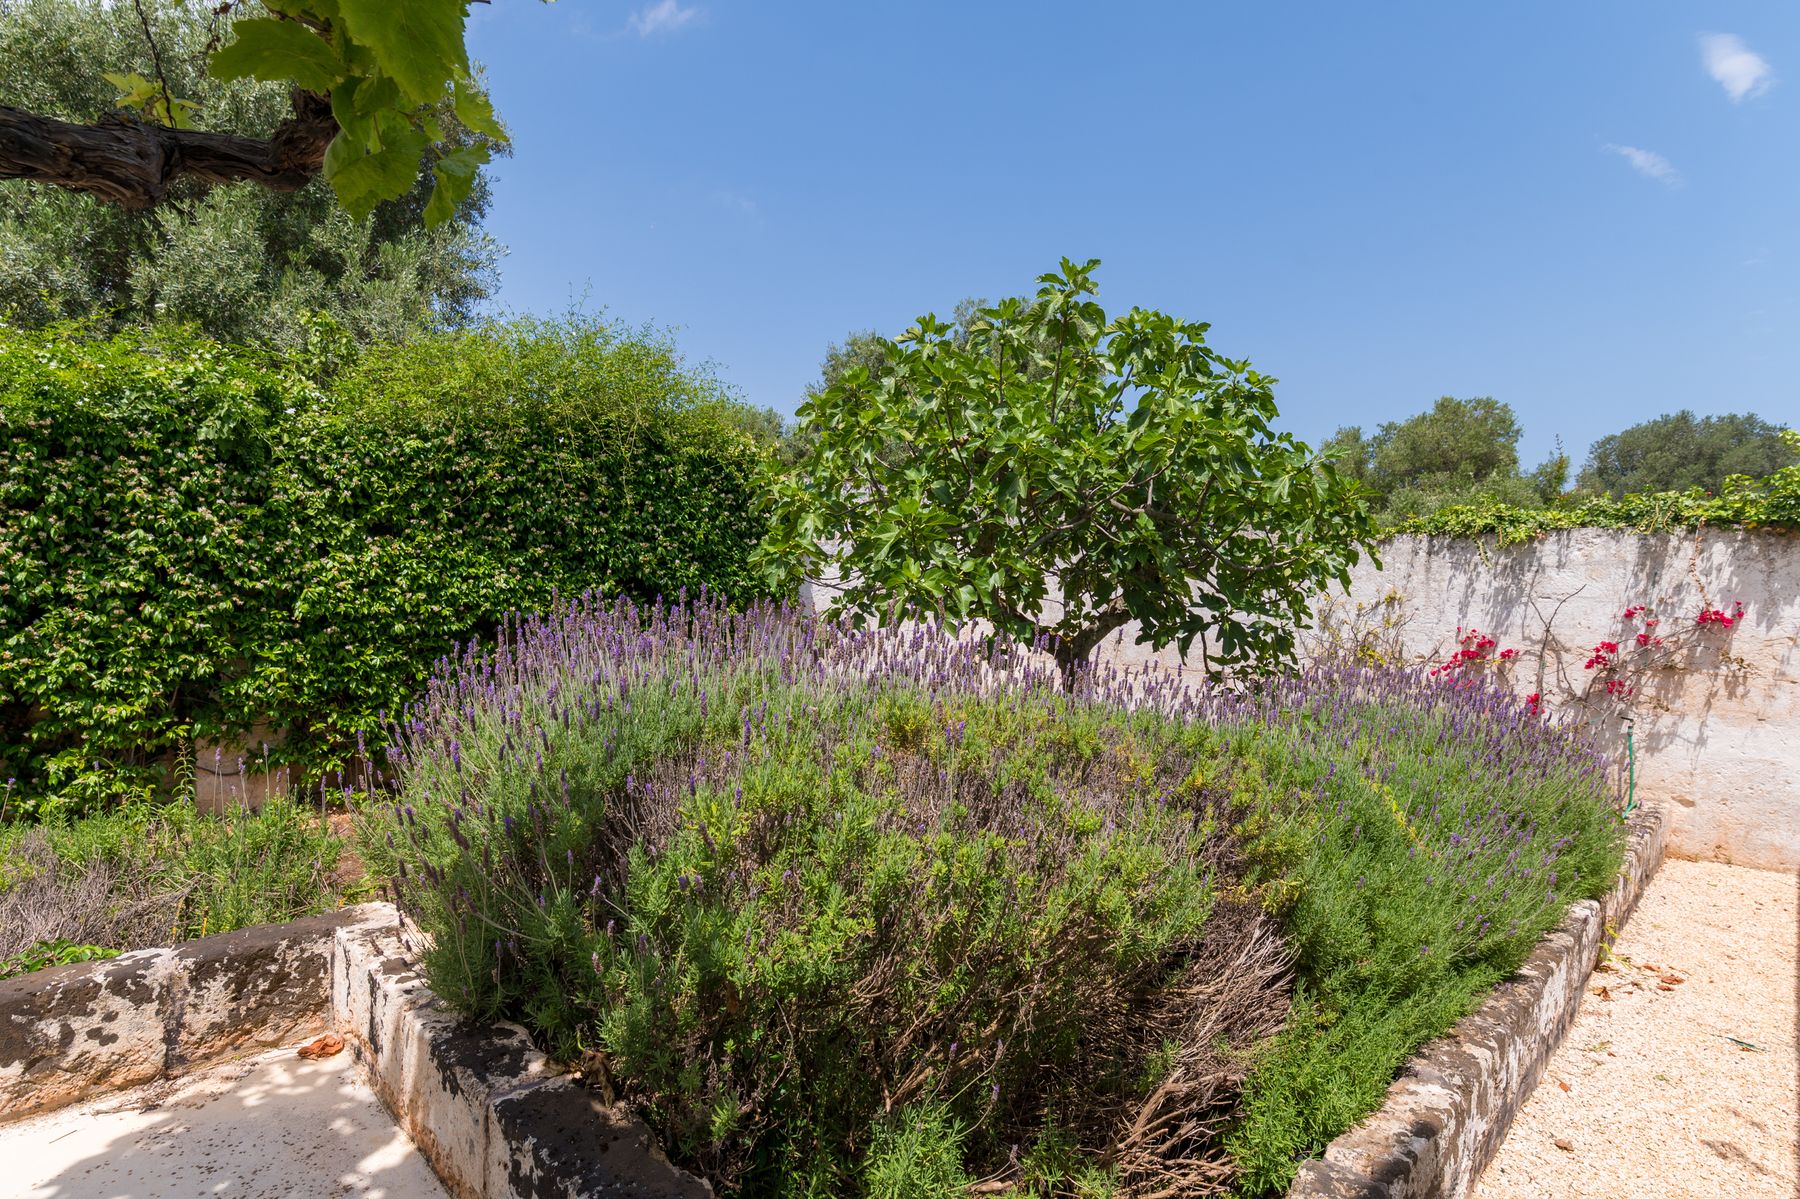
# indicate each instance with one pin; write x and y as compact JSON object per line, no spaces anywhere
{"x":1604,"y":993}
{"x":1674,"y":980}
{"x":1664,"y":987}
{"x":1563,"y":1145}
{"x":326,"y":1046}
{"x":1562,"y":1084}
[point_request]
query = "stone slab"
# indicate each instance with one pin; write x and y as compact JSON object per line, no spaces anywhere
{"x":71,"y":1031}
{"x":491,"y":1115}
{"x":271,"y":1126}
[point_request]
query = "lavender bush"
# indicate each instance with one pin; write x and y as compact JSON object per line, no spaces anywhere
{"x":839,"y":908}
{"x":1430,"y":832}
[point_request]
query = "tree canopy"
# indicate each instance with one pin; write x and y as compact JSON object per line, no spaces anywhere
{"x":369,"y":82}
{"x":1457,"y":452}
{"x":1061,"y":473}
{"x":70,"y":255}
{"x":1679,"y":450}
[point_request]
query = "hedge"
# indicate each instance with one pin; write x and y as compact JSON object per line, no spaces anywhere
{"x":196,"y":541}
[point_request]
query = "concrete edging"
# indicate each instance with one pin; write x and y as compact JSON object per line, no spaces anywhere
{"x":1449,"y":1110}
{"x":489,"y":1112}
{"x":68,"y":1032}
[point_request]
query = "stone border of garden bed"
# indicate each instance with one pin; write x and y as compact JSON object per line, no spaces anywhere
{"x":1449,"y":1110}
{"x":484,"y":1107}
{"x":68,"y":1032}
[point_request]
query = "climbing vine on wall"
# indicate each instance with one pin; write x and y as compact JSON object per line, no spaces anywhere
{"x":1772,"y":502}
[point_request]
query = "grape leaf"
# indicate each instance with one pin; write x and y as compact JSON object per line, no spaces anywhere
{"x":363,"y":180}
{"x":376,"y":94}
{"x":134,"y":89}
{"x":476,"y":112}
{"x":417,"y":42}
{"x":277,"y":51}
{"x":455,"y":175}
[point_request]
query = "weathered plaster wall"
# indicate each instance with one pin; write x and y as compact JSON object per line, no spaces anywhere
{"x":1717,"y":727}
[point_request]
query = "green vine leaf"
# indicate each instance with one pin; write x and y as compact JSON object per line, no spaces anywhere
{"x":476,"y":111}
{"x":364,"y":179}
{"x":150,"y":100}
{"x":455,"y":177}
{"x":419,"y":43}
{"x":277,"y":51}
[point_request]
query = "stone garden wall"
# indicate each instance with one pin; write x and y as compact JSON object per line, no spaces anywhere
{"x":1716,"y":708}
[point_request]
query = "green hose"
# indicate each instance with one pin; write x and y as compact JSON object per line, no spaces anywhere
{"x":1630,"y":767}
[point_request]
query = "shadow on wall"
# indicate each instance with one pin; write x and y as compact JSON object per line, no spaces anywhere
{"x":1711,"y":711}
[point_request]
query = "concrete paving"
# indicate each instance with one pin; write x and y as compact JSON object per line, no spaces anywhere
{"x":268,"y":1127}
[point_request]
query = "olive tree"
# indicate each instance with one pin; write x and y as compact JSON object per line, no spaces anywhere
{"x":1678,"y":450}
{"x":1060,"y":474}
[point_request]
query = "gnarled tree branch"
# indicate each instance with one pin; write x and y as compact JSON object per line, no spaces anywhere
{"x":132,"y":163}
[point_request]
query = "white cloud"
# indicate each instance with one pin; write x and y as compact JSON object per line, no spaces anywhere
{"x":1647,"y":163}
{"x":735,"y":201}
{"x":665,"y":16}
{"x":1742,"y":72}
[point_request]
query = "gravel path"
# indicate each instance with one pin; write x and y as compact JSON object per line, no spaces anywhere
{"x":1679,"y":1077}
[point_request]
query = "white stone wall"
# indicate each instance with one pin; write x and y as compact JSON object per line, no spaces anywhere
{"x":1717,"y":725}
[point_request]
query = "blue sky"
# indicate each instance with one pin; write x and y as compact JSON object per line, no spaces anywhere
{"x":1589,"y":210}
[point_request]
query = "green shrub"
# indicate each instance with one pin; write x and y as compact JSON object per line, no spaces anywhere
{"x":1772,"y":502}
{"x":798,"y":905}
{"x":133,"y":471}
{"x":195,"y":541}
{"x":914,"y":1153}
{"x":1421,"y":499}
{"x":146,"y":874}
{"x":843,"y":912}
{"x":1442,"y":841}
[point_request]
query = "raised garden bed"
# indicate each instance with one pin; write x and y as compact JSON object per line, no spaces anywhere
{"x":490,"y":1115}
{"x":494,"y":1119}
{"x":852,"y":912}
{"x":1448,"y":1112}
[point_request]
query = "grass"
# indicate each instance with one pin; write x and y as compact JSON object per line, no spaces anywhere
{"x":152,"y":874}
{"x":847,"y":912}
